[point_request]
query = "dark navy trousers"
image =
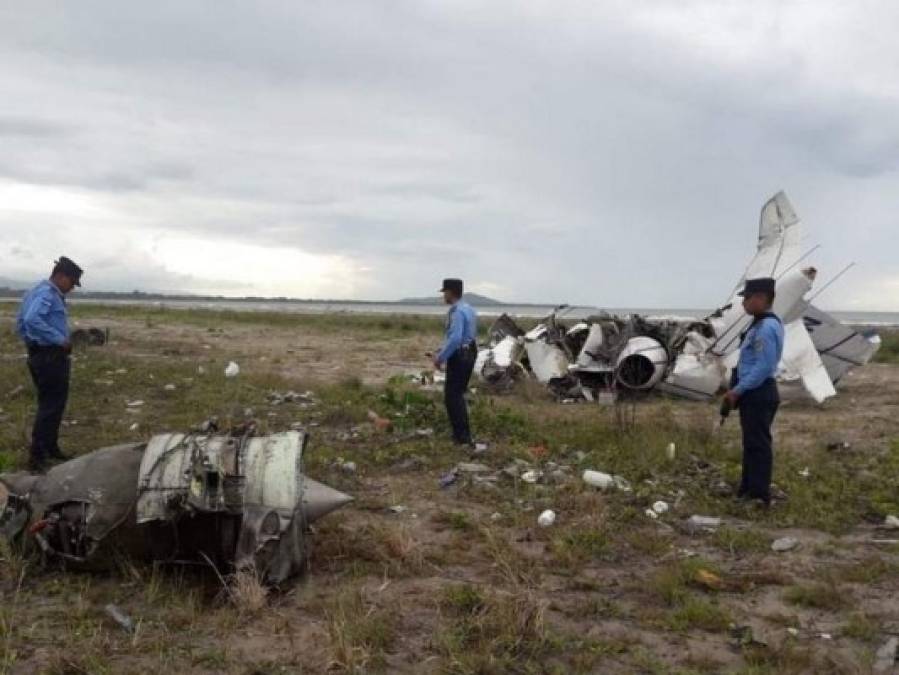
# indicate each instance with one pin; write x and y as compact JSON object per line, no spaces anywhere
{"x":50,"y":370}
{"x":458,"y":374}
{"x":757,"y":410}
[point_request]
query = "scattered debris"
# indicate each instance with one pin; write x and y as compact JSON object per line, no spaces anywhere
{"x":424,"y":433}
{"x":546,"y":518}
{"x":660,"y":507}
{"x":232,"y":369}
{"x":784,"y":544}
{"x":708,"y":579}
{"x":671,"y":452}
{"x":838,"y":445}
{"x":201,"y":370}
{"x":743,"y":636}
{"x":793,"y":632}
{"x":696,"y":524}
{"x":891,"y":522}
{"x":345,"y":467}
{"x":398,"y":508}
{"x":472,"y":467}
{"x":885,"y":658}
{"x":496,"y":516}
{"x":170,"y":387}
{"x":94,"y":337}
{"x":119,"y":616}
{"x":134,"y":427}
{"x":604,"y":356}
{"x":134,"y":404}
{"x":804,"y":472}
{"x":448,"y":479}
{"x":380,"y":423}
{"x":210,"y":425}
{"x":605,"y":481}
{"x":531,"y":476}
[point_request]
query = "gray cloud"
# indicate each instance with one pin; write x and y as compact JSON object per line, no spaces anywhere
{"x":606,"y":153}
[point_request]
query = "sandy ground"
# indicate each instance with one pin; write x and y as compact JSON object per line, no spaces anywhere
{"x":604,"y":606}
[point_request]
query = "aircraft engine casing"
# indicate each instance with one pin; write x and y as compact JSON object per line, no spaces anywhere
{"x":642,"y":363}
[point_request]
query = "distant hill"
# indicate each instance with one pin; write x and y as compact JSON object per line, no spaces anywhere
{"x":470,"y":298}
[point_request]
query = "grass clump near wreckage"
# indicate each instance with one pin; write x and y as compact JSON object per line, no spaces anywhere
{"x":412,"y":577}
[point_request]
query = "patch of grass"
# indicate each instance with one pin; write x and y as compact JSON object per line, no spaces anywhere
{"x":360,"y":632}
{"x":577,"y":546}
{"x":455,"y":520}
{"x":491,"y":631}
{"x":740,"y":541}
{"x":247,"y":592}
{"x":671,"y":585}
{"x":889,"y":347}
{"x":867,"y":571}
{"x":462,"y":599}
{"x":787,"y":659}
{"x":378,"y":548}
{"x":817,"y":596}
{"x":862,"y":627}
{"x":699,"y":613}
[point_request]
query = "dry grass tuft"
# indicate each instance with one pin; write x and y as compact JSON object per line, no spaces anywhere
{"x":360,"y":632}
{"x":247,"y":592}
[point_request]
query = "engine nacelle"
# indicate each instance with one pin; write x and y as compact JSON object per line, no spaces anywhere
{"x":642,"y":363}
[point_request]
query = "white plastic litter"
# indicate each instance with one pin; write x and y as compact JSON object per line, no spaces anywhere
{"x":605,"y":481}
{"x":531,"y":476}
{"x":660,"y":507}
{"x":671,"y":452}
{"x":784,"y":544}
{"x":546,"y":518}
{"x":891,"y":522}
{"x":232,"y":369}
{"x":703,"y":523}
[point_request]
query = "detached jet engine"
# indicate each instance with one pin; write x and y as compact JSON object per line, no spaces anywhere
{"x":230,"y":501}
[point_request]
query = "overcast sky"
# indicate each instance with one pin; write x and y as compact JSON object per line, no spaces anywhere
{"x":605,"y":153}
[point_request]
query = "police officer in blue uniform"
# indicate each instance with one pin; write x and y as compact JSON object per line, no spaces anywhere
{"x":753,"y":388}
{"x":458,"y":354}
{"x":42,"y":324}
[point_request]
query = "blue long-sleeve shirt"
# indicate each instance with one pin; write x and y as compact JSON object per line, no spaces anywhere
{"x":461,"y":329}
{"x":760,"y":353}
{"x":43,"y":319}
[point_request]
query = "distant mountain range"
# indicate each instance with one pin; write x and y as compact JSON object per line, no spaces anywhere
{"x":12,"y":288}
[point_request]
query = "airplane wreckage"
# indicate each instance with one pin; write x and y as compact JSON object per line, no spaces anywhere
{"x":605,"y":356}
{"x":233,"y":501}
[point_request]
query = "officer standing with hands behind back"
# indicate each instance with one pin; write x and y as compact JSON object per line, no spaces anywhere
{"x":42,"y":324}
{"x":753,"y":388}
{"x":458,"y":353}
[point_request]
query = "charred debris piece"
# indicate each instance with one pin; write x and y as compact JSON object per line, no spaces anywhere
{"x":231,"y":500}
